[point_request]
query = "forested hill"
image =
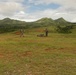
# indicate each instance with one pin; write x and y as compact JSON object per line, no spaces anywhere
{"x":8,"y":25}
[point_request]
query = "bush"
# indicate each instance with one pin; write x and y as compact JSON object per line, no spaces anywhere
{"x":65,"y":29}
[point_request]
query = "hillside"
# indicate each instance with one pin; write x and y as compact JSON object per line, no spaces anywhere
{"x":46,"y":21}
{"x":8,"y":25}
{"x":11,"y":21}
{"x":61,"y":20}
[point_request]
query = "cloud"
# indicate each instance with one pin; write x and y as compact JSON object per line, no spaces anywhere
{"x":11,"y":0}
{"x":67,"y":9}
{"x":24,"y":16}
{"x":9,"y":8}
{"x":20,"y":15}
{"x":18,"y":9}
{"x":54,"y":14}
{"x":71,"y":3}
{"x":66,"y":5}
{"x":74,"y":20}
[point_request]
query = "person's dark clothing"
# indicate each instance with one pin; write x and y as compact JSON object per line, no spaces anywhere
{"x":46,"y":32}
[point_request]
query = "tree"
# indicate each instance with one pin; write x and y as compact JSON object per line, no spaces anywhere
{"x":65,"y":29}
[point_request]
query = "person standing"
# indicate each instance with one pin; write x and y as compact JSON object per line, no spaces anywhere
{"x":46,"y":32}
{"x":21,"y":33}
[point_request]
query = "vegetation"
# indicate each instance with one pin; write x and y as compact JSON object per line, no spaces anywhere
{"x":9,"y":25}
{"x":65,"y":29}
{"x":32,"y":55}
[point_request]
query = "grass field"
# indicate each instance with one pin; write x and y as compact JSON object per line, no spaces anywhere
{"x":32,"y":55}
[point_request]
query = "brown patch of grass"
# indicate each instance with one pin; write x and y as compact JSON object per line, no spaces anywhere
{"x":68,"y":49}
{"x":50,"y":49}
{"x":25,"y":54}
{"x":1,"y":55}
{"x":17,"y":33}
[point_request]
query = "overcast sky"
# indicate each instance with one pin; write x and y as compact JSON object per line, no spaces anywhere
{"x":31,"y":10}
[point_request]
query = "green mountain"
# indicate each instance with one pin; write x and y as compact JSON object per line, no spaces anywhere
{"x":61,"y":21}
{"x":46,"y":21}
{"x":8,"y":25}
{"x":11,"y":21}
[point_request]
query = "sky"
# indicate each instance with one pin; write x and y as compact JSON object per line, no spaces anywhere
{"x":32,"y":10}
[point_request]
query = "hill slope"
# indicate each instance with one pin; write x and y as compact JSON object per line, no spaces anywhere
{"x":7,"y":24}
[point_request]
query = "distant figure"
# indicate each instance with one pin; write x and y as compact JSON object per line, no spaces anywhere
{"x":46,"y":32}
{"x":21,"y":33}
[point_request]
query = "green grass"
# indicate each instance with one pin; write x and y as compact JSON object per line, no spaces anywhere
{"x":32,"y":55}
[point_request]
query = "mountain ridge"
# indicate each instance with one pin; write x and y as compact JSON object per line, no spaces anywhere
{"x":8,"y":24}
{"x":43,"y":19}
